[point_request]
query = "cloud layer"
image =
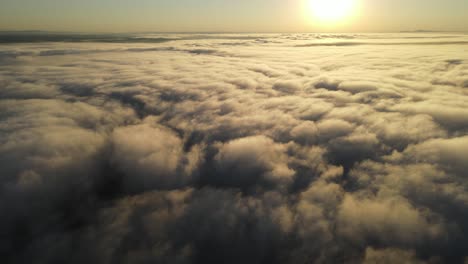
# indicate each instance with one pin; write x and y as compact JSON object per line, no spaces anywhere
{"x":235,"y":149}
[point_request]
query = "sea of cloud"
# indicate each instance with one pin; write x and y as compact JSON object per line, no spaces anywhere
{"x":272,"y":148}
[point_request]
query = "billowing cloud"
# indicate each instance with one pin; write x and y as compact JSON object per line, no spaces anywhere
{"x":248,"y":161}
{"x":292,"y":148}
{"x":388,"y":256}
{"x":152,"y":157}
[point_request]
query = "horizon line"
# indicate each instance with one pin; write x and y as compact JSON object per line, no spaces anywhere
{"x":3,"y":31}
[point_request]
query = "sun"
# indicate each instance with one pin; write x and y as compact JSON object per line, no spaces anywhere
{"x":331,"y":11}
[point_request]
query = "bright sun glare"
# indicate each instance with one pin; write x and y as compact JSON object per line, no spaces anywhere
{"x":329,"y":11}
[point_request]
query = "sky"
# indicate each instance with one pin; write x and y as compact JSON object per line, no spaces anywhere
{"x":228,"y":16}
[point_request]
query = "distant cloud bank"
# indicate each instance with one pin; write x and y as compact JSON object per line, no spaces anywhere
{"x":291,"y":148}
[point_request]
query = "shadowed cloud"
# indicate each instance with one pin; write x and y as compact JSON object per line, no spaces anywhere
{"x":231,"y":148}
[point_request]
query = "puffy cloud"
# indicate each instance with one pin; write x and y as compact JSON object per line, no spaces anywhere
{"x":357,"y":87}
{"x":259,"y":148}
{"x":452,"y":117}
{"x":152,"y":157}
{"x":389,"y":222}
{"x":305,"y":133}
{"x":250,"y":161}
{"x":398,"y":130}
{"x":287,"y":87}
{"x":52,"y":139}
{"x":388,"y":256}
{"x":451,"y":154}
{"x":334,"y":128}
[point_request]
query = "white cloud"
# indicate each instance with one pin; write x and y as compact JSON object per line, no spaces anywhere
{"x":253,"y":149}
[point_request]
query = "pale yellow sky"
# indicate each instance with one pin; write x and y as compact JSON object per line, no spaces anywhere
{"x":227,"y":15}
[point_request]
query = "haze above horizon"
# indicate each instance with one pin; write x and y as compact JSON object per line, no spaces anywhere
{"x":232,"y":16}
